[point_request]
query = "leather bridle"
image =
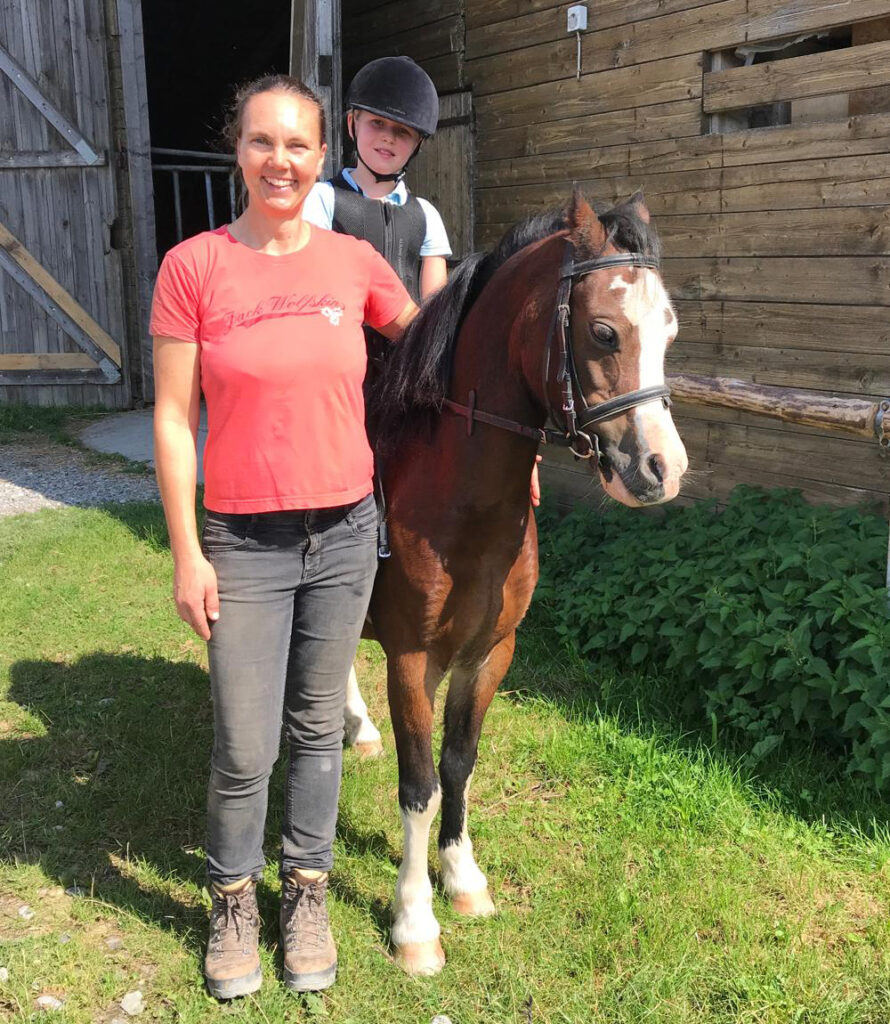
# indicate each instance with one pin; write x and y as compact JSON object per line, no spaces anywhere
{"x":576,"y":420}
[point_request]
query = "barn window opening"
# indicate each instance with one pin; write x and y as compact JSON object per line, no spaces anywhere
{"x":740,"y":93}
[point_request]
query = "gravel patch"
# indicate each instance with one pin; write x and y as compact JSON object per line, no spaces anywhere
{"x":37,"y":474}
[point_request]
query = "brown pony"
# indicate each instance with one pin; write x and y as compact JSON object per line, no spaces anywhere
{"x":568,"y":318}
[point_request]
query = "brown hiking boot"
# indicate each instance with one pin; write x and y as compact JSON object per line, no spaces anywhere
{"x":232,"y":964}
{"x":310,"y":956}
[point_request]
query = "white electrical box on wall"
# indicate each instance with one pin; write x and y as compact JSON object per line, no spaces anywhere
{"x":577,"y":18}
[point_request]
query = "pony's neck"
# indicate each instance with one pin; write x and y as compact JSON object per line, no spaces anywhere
{"x":500,"y":351}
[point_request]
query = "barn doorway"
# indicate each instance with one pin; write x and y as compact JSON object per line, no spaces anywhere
{"x":195,"y":56}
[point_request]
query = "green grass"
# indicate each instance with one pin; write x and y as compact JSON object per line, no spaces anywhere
{"x":642,"y":871}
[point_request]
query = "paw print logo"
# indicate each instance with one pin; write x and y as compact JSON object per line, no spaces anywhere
{"x":333,"y":314}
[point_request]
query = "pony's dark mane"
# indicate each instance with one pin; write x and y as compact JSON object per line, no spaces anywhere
{"x":408,"y":394}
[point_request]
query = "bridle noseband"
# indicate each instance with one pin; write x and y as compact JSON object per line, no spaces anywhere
{"x":574,"y":434}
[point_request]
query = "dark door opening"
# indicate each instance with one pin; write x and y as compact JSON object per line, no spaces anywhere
{"x":196,"y":54}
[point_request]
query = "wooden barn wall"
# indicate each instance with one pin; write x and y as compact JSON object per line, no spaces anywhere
{"x":776,"y":240}
{"x":62,"y":215}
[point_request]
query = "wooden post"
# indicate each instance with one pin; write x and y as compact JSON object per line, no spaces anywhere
{"x":316,"y":58}
{"x":136,"y":193}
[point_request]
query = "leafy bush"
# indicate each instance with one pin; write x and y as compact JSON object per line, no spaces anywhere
{"x":771,"y":612}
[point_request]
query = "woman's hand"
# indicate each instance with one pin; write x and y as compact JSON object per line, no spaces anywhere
{"x":195,"y":594}
{"x":535,"y":490}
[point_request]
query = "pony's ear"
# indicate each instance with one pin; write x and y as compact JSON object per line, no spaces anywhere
{"x":586,"y":232}
{"x":638,"y":204}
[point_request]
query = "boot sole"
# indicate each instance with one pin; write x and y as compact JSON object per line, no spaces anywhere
{"x":231,"y":988}
{"x":314,"y":981}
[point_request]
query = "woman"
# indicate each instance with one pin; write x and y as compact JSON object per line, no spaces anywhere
{"x":265,"y":318}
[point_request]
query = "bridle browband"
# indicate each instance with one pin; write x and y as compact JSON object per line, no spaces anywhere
{"x":575,"y":434}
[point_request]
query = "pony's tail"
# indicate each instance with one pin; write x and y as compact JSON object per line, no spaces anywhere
{"x":417,"y":373}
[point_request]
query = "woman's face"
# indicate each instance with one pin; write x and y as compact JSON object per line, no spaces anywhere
{"x":385,"y":145}
{"x":280,"y":151}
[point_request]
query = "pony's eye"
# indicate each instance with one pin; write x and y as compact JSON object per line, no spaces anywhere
{"x":604,"y":334}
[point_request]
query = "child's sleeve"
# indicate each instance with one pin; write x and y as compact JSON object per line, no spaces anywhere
{"x":318,"y":206}
{"x":436,"y":241}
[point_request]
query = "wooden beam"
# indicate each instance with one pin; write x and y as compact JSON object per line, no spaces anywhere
{"x":46,"y":361}
{"x":31,"y":91}
{"x":74,"y":319}
{"x":859,"y":417}
{"x":139,"y":193}
{"x":44,"y":378}
{"x":60,"y":158}
{"x":316,"y":57}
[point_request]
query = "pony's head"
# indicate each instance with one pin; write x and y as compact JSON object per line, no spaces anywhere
{"x":622,"y":323}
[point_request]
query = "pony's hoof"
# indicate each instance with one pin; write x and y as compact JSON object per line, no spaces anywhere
{"x":473,"y":904}
{"x":368,"y":749}
{"x":421,"y":959}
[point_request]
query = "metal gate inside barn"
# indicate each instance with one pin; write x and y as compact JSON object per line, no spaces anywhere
{"x":76,"y":265}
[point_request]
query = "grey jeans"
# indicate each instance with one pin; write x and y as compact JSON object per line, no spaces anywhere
{"x":294,"y":588}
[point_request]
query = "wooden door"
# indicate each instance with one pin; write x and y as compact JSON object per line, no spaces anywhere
{"x":73,"y":294}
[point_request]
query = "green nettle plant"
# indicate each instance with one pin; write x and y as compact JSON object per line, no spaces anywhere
{"x":771,"y":612}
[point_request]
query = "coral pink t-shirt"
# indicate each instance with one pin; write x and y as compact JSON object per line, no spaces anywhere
{"x":282,"y":363}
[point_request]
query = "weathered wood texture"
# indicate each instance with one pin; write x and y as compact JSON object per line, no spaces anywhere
{"x":776,"y":240}
{"x":61,"y":213}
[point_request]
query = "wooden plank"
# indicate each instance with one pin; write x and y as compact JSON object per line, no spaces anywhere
{"x":675,"y":119}
{"x":768,"y":19}
{"x":842,"y":329}
{"x":605,"y":12}
{"x":829,"y":232}
{"x":503,"y":163}
{"x":58,"y":158}
{"x":30,"y":379}
{"x":813,"y":75}
{"x":718,"y":26}
{"x":420,"y":43}
{"x":57,"y":295}
{"x":46,"y":361}
{"x":659,"y":81}
{"x":712,"y":25}
{"x":855,"y":280}
{"x":808,"y":184}
{"x":30,"y":90}
{"x":379,"y":21}
{"x":858,"y":372}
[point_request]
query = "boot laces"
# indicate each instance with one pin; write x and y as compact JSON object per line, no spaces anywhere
{"x":307,"y":914}
{"x":232,"y":912}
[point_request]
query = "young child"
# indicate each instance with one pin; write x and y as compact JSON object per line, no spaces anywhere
{"x":392,"y":106}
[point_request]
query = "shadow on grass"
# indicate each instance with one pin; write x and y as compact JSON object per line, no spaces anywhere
{"x":107,"y":790}
{"x":805,"y":782}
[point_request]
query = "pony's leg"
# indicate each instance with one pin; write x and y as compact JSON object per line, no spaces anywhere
{"x":469,"y":696}
{"x":359,"y":731}
{"x":415,"y":930}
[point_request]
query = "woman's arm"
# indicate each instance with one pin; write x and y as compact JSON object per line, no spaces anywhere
{"x":433,"y":275}
{"x":177,"y":407}
{"x":395,"y":328}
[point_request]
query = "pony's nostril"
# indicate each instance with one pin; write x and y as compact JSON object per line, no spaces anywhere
{"x":655,"y":464}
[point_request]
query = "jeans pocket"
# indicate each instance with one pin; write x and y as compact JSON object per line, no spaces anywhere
{"x":362,"y":518}
{"x":224,"y":532}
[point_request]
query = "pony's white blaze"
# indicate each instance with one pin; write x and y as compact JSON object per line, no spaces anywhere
{"x":647,"y":307}
{"x":414,"y":921}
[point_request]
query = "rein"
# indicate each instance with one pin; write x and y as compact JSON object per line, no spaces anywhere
{"x":575,"y":436}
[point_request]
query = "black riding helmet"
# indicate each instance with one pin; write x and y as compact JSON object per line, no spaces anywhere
{"x":397,"y":88}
